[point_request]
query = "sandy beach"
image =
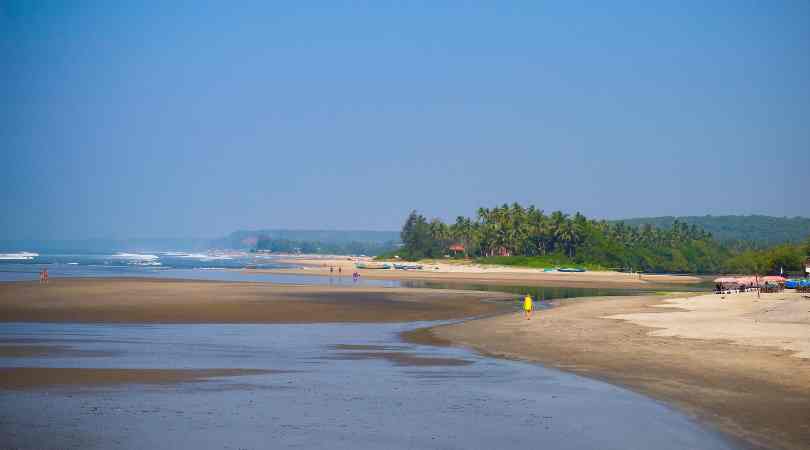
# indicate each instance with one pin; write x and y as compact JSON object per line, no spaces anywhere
{"x":738,"y":362}
{"x":467,"y":272}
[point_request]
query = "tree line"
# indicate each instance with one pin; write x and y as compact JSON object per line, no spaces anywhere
{"x":504,"y":233}
{"x":327,"y":248}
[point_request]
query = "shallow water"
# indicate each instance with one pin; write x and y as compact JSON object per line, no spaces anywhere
{"x":30,"y":272}
{"x":345,"y":386}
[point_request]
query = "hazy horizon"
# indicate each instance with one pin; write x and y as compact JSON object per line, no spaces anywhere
{"x":157,"y":121}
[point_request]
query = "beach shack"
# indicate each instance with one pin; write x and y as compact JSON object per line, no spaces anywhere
{"x":455,"y":249}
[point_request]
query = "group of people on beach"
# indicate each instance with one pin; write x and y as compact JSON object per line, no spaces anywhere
{"x":355,"y":275}
{"x":43,"y":275}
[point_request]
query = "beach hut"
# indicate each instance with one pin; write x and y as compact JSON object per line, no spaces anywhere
{"x":456,"y":249}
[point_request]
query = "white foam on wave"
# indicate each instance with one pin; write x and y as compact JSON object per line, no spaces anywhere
{"x":135,"y":256}
{"x":216,"y":257}
{"x":202,"y":256}
{"x":147,"y":263}
{"x":18,"y":256}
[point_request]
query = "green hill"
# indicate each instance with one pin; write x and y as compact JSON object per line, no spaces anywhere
{"x":325,"y":236}
{"x":342,"y":242}
{"x":760,"y":230}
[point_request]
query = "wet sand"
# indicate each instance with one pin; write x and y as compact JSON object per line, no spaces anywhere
{"x":759,"y":394}
{"x":461,"y":272}
{"x":15,"y":378}
{"x":33,"y":351}
{"x":398,"y":358}
{"x":129,"y":300}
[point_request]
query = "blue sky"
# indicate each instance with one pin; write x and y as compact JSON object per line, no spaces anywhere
{"x":194,"y":119}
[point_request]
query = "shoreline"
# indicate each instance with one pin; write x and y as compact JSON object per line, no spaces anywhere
{"x":736,"y":388}
{"x":469,"y":273}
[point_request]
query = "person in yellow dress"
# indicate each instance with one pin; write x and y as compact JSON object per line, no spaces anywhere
{"x":528,"y":306}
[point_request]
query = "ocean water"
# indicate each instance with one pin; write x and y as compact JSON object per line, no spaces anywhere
{"x":179,"y":265}
{"x":369,"y":395}
{"x":31,"y":261}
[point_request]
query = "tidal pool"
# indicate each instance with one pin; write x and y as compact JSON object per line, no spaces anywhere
{"x":331,"y":386}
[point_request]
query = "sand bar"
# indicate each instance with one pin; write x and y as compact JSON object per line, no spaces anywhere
{"x":133,"y":300}
{"x":760,"y":394}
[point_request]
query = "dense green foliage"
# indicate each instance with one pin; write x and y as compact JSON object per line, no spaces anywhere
{"x":739,"y":231}
{"x":332,"y":242}
{"x":327,"y":248}
{"x":540,"y":262}
{"x":514,"y":235}
{"x":787,"y":258}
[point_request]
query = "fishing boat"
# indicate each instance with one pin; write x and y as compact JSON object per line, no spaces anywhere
{"x":570,"y":269}
{"x":408,"y":266}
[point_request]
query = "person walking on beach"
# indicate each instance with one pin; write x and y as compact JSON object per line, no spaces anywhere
{"x":527,"y":306}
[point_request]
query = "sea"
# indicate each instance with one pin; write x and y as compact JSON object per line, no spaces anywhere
{"x":211,"y":265}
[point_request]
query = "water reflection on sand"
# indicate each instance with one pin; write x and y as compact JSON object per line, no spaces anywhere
{"x":335,"y":386}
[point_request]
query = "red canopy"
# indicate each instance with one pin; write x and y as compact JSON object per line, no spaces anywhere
{"x":749,"y":280}
{"x":725,"y":280}
{"x":774,"y":279}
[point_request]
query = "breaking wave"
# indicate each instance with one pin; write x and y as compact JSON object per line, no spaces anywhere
{"x":19,"y":256}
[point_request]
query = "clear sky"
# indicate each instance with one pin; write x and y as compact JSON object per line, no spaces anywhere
{"x":121,"y":119}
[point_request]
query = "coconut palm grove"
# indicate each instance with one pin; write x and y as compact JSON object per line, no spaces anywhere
{"x":528,"y":236}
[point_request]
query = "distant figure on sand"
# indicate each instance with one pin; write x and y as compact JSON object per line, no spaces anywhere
{"x":43,"y":275}
{"x":527,"y":306}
